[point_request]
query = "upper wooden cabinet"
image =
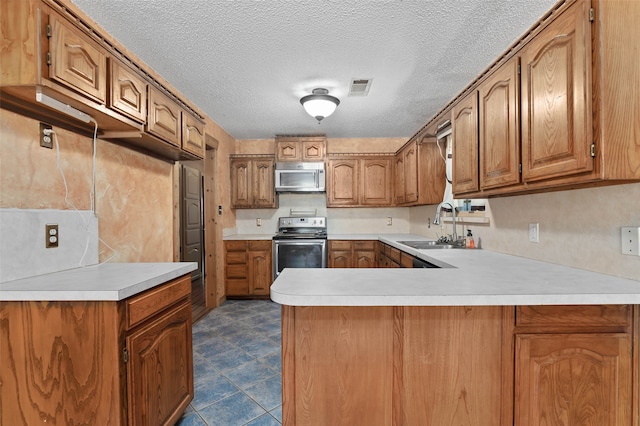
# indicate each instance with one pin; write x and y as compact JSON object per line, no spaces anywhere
{"x":464,"y":128}
{"x":419,"y":173}
{"x":128,"y":91}
{"x":359,"y":181}
{"x":54,"y":53}
{"x":300,"y":148}
{"x":252,"y":182}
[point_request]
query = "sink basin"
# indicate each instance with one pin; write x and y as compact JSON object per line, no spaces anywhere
{"x":428,"y":245}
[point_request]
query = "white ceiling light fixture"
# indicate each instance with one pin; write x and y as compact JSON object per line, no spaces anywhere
{"x":320,"y":104}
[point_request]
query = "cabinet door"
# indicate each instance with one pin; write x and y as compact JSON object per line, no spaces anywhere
{"x":411,"y":173}
{"x":465,"y":145}
{"x":376,"y":182}
{"x":76,"y":61}
{"x":431,"y":173}
{"x":128,"y":94}
{"x":499,"y":135}
{"x":192,"y":135}
{"x":288,"y":151}
{"x":263,"y":187}
{"x":313,"y":150}
{"x":556,"y":98}
{"x":160,"y":368}
{"x":342,"y":183}
{"x":164,"y":117}
{"x":240,"y":183}
{"x":260,"y":275}
{"x":399,"y":175}
{"x":573,"y":379}
{"x":364,"y":259}
{"x":340,"y":259}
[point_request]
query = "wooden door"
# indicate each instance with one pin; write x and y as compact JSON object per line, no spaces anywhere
{"x":76,"y":61}
{"x":192,"y":135}
{"x":160,"y":358}
{"x":376,"y":182}
{"x":411,"y":173}
{"x":240,"y":183}
{"x":128,"y":94}
{"x":399,"y":175}
{"x":342,"y":183}
{"x":287,"y":150}
{"x":556,"y":98}
{"x":313,"y":150}
{"x":164,"y":117}
{"x":573,"y":379}
{"x":499,"y":128}
{"x":431,"y":174}
{"x":263,"y":186}
{"x":260,"y":275}
{"x":465,"y":145}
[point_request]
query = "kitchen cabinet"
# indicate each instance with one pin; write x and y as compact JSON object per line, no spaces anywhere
{"x":252,"y":182}
{"x":123,"y":362}
{"x":359,"y":181}
{"x":419,"y":172}
{"x":352,"y":254}
{"x":464,"y":128}
{"x":56,"y":53}
{"x":301,"y":148}
{"x":248,"y":268}
{"x":406,"y":173}
{"x":574,"y":365}
{"x":128,"y":91}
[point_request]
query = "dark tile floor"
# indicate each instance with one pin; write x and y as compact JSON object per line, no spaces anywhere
{"x":237,"y":366}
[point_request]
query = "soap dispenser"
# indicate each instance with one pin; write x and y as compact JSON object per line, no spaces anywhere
{"x":469,"y":243}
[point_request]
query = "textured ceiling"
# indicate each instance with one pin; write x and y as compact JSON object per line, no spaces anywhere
{"x":246,"y":63}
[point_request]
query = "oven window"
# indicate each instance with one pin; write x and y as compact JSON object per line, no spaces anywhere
{"x":298,"y":179}
{"x":299,"y":256}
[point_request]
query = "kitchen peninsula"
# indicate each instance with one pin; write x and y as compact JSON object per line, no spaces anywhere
{"x":487,"y":339}
{"x":103,"y":344}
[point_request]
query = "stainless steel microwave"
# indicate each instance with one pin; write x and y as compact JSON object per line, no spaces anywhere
{"x":300,"y":177}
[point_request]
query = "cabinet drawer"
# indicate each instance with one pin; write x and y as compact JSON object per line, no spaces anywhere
{"x":574,"y":316}
{"x":237,"y":287}
{"x":235,"y":245}
{"x":236,"y":257}
{"x":260,"y":245}
{"x":394,"y":254}
{"x":143,"y":306}
{"x":236,"y":271}
{"x":365,"y":245}
{"x":340,"y":245}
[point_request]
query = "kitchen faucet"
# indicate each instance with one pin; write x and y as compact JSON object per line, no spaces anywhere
{"x":436,"y":220}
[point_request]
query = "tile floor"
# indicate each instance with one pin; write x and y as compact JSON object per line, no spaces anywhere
{"x":237,"y":366}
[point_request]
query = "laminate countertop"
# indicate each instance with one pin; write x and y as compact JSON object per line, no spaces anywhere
{"x":102,"y":282}
{"x":467,"y":277}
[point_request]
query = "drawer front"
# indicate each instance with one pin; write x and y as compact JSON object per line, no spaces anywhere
{"x":340,"y":245}
{"x":260,"y":245}
{"x":236,"y":245}
{"x":143,"y":306}
{"x":237,"y":287}
{"x":574,"y":316}
{"x":236,"y":271}
{"x":364,"y":245}
{"x":236,"y":257}
{"x":394,"y":254}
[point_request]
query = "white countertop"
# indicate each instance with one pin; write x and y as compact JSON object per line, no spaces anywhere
{"x":102,"y":282}
{"x":468,"y":277}
{"x":257,"y":237}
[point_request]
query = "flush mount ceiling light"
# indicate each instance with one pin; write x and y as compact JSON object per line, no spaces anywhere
{"x":320,"y":104}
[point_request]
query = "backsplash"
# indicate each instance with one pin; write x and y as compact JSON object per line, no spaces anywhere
{"x":22,"y":246}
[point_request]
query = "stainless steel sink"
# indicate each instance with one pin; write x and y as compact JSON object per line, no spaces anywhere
{"x":428,"y":245}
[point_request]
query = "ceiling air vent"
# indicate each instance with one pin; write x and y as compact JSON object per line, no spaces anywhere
{"x":359,"y":87}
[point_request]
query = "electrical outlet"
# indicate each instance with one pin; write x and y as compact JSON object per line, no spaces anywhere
{"x":630,"y":237}
{"x":52,"y":236}
{"x":258,"y":222}
{"x":389,"y":221}
{"x":46,"y":140}
{"x":534,"y":232}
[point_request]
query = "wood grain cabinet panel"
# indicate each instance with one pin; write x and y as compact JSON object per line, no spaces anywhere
{"x":313,"y":150}
{"x":193,"y":135}
{"x":263,"y":193}
{"x":359,"y":181}
{"x":573,"y":379}
{"x":411,"y":173}
{"x":164,"y":120}
{"x":252,"y":183}
{"x":376,"y":182}
{"x":128,"y":91}
{"x":465,"y":145}
{"x":301,"y":148}
{"x":556,"y":98}
{"x":499,"y":141}
{"x":398,"y":170}
{"x":248,"y":268}
{"x":77,"y":61}
{"x":352,"y":254}
{"x":342,"y":182}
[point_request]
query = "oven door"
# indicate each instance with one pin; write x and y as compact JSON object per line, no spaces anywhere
{"x":302,"y":253}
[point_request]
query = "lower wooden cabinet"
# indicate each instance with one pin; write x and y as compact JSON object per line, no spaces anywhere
{"x":98,"y":362}
{"x":248,"y":268}
{"x":352,"y":254}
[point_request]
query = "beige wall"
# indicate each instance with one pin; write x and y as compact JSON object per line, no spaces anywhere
{"x":578,"y":228}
